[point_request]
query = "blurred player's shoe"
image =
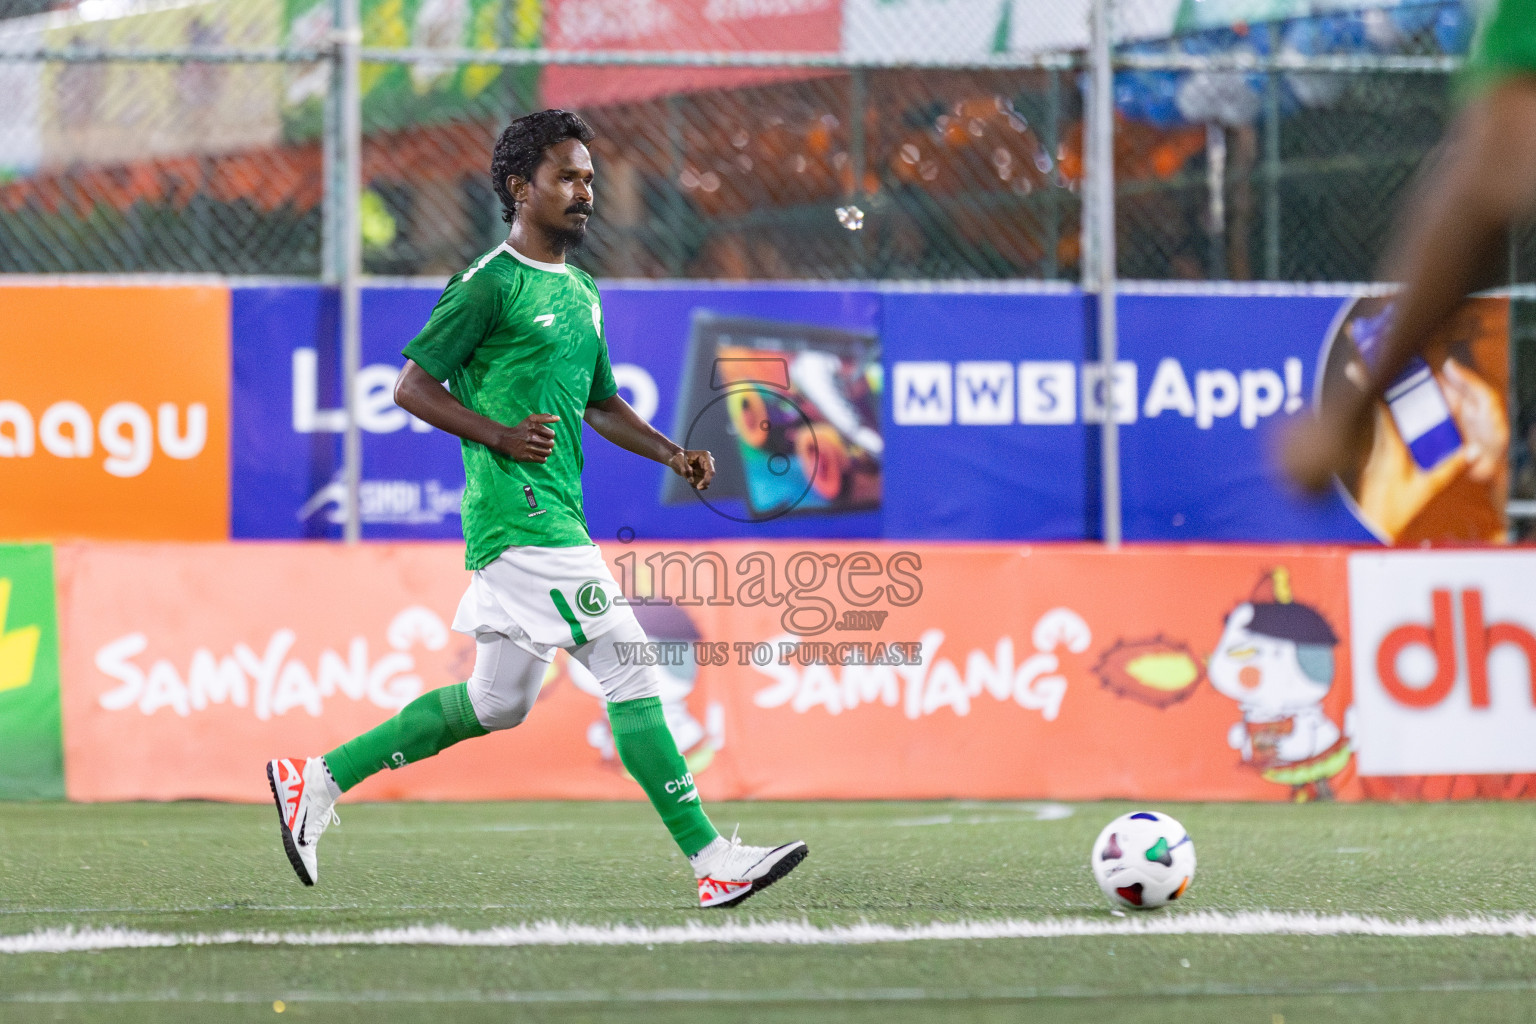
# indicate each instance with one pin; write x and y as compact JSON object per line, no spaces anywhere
{"x":729,"y":871}
{"x":305,"y":809}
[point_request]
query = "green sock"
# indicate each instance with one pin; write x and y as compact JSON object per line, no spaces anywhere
{"x":431,"y":723}
{"x":647,"y":748}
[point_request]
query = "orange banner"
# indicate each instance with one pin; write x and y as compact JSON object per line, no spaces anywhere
{"x":791,"y":671}
{"x":114,"y":412}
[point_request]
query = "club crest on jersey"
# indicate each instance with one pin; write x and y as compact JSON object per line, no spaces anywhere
{"x":591,"y":598}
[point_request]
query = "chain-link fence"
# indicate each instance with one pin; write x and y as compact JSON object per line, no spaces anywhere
{"x":198,"y":135}
{"x":1313,"y":127}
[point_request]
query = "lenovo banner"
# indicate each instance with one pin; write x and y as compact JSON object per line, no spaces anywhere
{"x":783,"y":385}
{"x":286,"y":475}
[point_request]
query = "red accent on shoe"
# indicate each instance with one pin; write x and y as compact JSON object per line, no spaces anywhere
{"x":291,"y":775}
{"x":714,"y":890}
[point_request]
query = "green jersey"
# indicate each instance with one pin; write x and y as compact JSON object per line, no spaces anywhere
{"x":1505,"y":44}
{"x":512,"y":336}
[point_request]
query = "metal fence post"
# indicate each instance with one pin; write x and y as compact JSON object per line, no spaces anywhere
{"x":675,"y":258}
{"x":1053,"y":186}
{"x":858,"y":101}
{"x":331,"y":257}
{"x":349,"y":41}
{"x":1272,"y":164}
{"x":1100,"y":175}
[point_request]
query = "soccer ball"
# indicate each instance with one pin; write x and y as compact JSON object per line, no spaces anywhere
{"x":1143,"y":860}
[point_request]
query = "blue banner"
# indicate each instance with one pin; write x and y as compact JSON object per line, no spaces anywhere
{"x":679,"y":356}
{"x":986,"y":437}
{"x":1211,"y":380}
{"x":820,"y":347}
{"x":831,"y":413}
{"x":287,"y":421}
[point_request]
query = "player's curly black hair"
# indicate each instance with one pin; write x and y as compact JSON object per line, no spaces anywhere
{"x":522,"y":146}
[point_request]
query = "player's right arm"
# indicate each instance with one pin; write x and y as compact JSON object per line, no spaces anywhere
{"x":421,"y":395}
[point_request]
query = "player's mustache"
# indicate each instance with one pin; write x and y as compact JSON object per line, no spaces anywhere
{"x":585,"y":208}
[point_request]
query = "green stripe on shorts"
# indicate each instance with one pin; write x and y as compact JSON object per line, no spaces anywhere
{"x":568,"y":615}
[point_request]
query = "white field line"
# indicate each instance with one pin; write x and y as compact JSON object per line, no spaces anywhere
{"x":787,"y":933}
{"x":1010,"y":993}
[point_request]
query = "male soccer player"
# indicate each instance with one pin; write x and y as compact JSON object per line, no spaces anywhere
{"x":1482,"y":184}
{"x":518,"y":337}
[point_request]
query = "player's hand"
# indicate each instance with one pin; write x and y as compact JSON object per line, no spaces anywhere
{"x":531,"y":440}
{"x":696,"y":466}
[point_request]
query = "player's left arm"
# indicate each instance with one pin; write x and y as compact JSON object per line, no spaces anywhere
{"x":613,"y":418}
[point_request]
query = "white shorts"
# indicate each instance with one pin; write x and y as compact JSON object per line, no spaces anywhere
{"x":543,"y":598}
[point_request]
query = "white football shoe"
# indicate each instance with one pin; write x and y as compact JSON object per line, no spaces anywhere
{"x":305,"y":809}
{"x":733,"y":871}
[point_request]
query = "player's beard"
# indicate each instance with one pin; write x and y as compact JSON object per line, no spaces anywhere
{"x":568,"y":239}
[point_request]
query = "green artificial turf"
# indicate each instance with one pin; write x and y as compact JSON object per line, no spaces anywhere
{"x":204,"y":868}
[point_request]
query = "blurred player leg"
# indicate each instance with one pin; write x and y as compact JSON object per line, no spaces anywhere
{"x":1452,"y":232}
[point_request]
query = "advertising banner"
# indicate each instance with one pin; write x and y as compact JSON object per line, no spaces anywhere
{"x":1200,"y":14}
{"x":401,"y":95}
{"x":286,"y":476}
{"x":1065,"y":673}
{"x":115,"y":112}
{"x":1003,"y":392}
{"x":1437,"y":466}
{"x":849,"y":413}
{"x":971,"y":29}
{"x":783,"y":385}
{"x":927,"y":29}
{"x":1444,"y":662}
{"x":32,"y":767}
{"x":688,"y":361}
{"x":687,"y":26}
{"x":789,"y":670}
{"x":189,"y":665}
{"x":988,"y":438}
{"x":1206,"y":384}
{"x":114,"y":412}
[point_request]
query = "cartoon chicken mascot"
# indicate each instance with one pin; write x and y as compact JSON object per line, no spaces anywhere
{"x":1275,"y":658}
